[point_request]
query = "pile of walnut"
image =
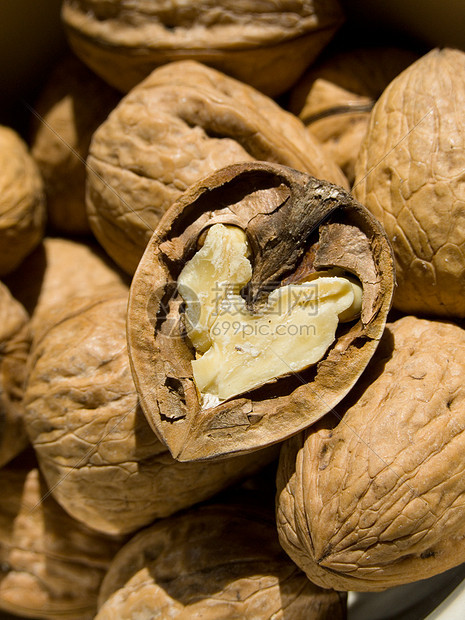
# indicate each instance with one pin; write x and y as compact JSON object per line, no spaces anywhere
{"x":161,"y":453}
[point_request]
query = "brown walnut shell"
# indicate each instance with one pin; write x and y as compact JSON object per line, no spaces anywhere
{"x":295,"y":224}
{"x":410,"y":175}
{"x":70,"y":107}
{"x":334,"y":97}
{"x":100,"y":457}
{"x":51,"y":566}
{"x":266,"y":44}
{"x":14,"y":349}
{"x":221,"y":561}
{"x":182,"y":123}
{"x":376,"y":497}
{"x":22,"y":202}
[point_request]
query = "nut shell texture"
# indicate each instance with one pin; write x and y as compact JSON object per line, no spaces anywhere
{"x":410,"y":174}
{"x":14,"y":348}
{"x":216,"y":562}
{"x":267,"y":44}
{"x":378,"y":499}
{"x":52,"y":566}
{"x":22,"y":202}
{"x":180,"y":124}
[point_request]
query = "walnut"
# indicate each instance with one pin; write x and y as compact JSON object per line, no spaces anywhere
{"x":70,"y":107}
{"x":51,"y":566}
{"x":266,"y":44}
{"x":14,"y":348}
{"x":297,"y":228}
{"x":98,"y":454}
{"x":221,"y":561}
{"x":375,"y":498}
{"x":410,"y":176}
{"x":182,"y":123}
{"x":22,"y":203}
{"x":335,"y":96}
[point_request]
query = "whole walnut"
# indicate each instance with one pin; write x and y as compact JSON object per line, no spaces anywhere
{"x":409,"y":174}
{"x":22,"y":202}
{"x":220,"y":561}
{"x":14,"y":349}
{"x":266,"y":44}
{"x":100,"y":457}
{"x":51,"y":565}
{"x":335,"y":96}
{"x":177,"y":126}
{"x":70,"y":107}
{"x":374,"y":496}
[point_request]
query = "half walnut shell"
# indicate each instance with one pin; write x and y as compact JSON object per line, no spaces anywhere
{"x":295,"y":225}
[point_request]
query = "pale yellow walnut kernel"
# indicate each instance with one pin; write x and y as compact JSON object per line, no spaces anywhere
{"x":219,"y":267}
{"x":239,"y":350}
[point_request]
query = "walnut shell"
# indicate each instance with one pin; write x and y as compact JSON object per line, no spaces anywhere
{"x":295,"y":224}
{"x":14,"y":349}
{"x":22,"y":202}
{"x":335,"y":96}
{"x":220,"y":561}
{"x":376,"y":497}
{"x":70,"y":107}
{"x":410,"y":176}
{"x":51,"y":565}
{"x":266,"y":44}
{"x":179,"y":125}
{"x":98,"y":454}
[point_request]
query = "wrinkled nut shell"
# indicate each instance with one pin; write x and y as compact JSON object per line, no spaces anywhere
{"x":98,"y":454}
{"x":22,"y":202}
{"x":51,"y":565}
{"x":378,"y":500}
{"x":180,"y":124}
{"x":14,"y":349}
{"x":216,"y":562}
{"x":267,"y":45}
{"x":294,"y":224}
{"x":410,"y":175}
